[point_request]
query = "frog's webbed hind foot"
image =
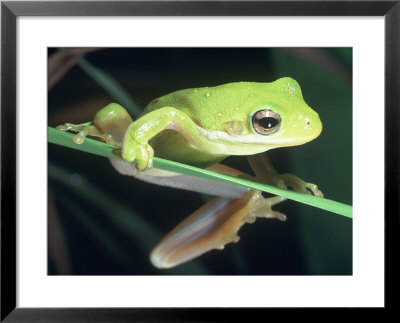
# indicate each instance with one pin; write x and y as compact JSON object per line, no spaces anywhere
{"x":266,"y":173}
{"x":262,"y":208}
{"x":87,"y":129}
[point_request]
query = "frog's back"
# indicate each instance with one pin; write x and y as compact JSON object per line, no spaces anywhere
{"x":209,"y":106}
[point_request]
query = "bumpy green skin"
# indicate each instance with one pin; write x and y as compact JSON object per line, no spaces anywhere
{"x":215,"y":109}
{"x":113,"y":120}
{"x":212,"y":107}
{"x":202,"y":126}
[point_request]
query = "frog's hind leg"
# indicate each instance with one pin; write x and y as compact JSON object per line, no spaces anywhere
{"x":262,"y":208}
{"x":266,"y":173}
{"x":212,"y":226}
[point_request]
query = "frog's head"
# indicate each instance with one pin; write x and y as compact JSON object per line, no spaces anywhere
{"x":262,"y":116}
{"x":281,"y":117}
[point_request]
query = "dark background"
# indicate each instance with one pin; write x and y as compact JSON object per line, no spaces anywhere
{"x":103,"y":223}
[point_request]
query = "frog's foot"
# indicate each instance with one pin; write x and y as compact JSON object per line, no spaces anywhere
{"x":87,"y":129}
{"x":73,"y":127}
{"x":212,"y":226}
{"x":142,"y":153}
{"x":262,"y":209}
{"x":297,"y":184}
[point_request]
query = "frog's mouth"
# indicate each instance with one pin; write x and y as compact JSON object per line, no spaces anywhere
{"x":255,"y":139}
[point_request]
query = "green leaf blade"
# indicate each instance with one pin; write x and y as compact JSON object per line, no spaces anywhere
{"x":95,"y":147}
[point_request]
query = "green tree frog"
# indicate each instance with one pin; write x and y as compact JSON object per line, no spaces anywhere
{"x":201,"y":127}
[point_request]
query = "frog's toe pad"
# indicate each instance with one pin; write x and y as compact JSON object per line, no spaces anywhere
{"x":142,"y":153}
{"x":263,"y":208}
{"x":145,"y":156}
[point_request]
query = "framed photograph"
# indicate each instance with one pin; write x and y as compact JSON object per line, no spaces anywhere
{"x":90,"y":87}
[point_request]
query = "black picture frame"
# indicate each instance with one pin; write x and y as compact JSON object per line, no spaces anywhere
{"x":11,"y":10}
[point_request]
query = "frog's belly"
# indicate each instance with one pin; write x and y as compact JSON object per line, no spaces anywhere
{"x":172,"y":146}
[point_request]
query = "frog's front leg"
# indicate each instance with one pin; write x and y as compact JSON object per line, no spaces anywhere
{"x":135,"y":144}
{"x":267,"y":174}
{"x":86,"y":129}
{"x":83,"y":130}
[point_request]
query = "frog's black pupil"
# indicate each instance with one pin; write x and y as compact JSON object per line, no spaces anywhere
{"x":268,"y":122}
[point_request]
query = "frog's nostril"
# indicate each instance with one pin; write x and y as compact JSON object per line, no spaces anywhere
{"x":308,"y":122}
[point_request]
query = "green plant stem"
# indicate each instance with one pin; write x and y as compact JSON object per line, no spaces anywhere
{"x":95,"y":147}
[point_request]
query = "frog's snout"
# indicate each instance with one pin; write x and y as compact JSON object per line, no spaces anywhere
{"x":313,"y":125}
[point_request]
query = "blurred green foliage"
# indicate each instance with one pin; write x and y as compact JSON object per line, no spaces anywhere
{"x":111,"y":222}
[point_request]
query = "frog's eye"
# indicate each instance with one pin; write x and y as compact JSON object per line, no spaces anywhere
{"x":266,"y":122}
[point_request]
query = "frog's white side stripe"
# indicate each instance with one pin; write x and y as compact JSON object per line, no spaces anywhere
{"x":222,"y":142}
{"x":222,"y":135}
